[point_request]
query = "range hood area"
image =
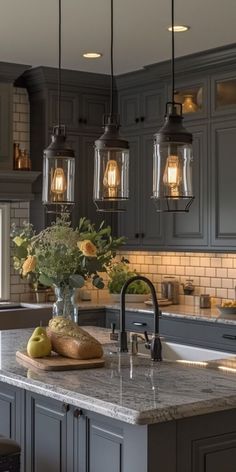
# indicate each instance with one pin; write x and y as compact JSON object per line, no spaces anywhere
{"x":17,"y":185}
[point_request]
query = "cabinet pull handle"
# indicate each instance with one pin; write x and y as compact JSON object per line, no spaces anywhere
{"x":142,"y":118}
{"x":139,"y":323}
{"x":77,"y":413}
{"x":136,"y":120}
{"x":136,"y":235}
{"x":142,"y":235}
{"x":85,"y":121}
{"x":80,"y":120}
{"x":229,"y":336}
{"x":65,"y":407}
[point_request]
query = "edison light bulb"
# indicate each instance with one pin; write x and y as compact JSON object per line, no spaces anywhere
{"x":111,"y":179}
{"x":172,"y":176}
{"x":58,"y":185}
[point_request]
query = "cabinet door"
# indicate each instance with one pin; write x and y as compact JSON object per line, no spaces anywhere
{"x":6,"y":131}
{"x":94,"y":107}
{"x":84,"y":181}
{"x":151,"y":220}
{"x":191,"y":229}
{"x":152,"y":108}
{"x":10,"y":408}
{"x":223,"y":171}
{"x":207,"y":443}
{"x":129,"y":109}
{"x":223,"y":94}
{"x":129,"y":221}
{"x":46,"y":434}
{"x":70,"y":111}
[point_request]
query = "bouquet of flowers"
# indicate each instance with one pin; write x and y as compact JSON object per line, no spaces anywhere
{"x":61,"y":256}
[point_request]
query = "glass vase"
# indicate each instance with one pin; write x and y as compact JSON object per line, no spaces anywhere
{"x":64,"y":303}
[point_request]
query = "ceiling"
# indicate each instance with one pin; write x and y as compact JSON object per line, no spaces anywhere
{"x":29,"y":31}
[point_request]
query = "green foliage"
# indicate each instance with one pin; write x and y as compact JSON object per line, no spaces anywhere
{"x":63,"y":255}
{"x":119,"y":273}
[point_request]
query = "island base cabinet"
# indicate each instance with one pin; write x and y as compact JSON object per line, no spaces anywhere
{"x":46,"y":434}
{"x":207,"y":443}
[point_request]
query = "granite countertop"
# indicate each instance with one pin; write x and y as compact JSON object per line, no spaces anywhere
{"x":129,"y":388}
{"x":177,"y":311}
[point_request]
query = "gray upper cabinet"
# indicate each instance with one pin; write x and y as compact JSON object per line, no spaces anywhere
{"x":70,"y":109}
{"x":191,"y":229}
{"x":193,"y":95}
{"x":141,"y":224}
{"x":140,"y":109}
{"x":79,"y":110}
{"x":223,"y":94}
{"x":6,"y":131}
{"x":223,"y":194}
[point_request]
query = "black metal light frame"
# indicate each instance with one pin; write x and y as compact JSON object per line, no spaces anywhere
{"x":111,"y":142}
{"x":59,"y":155}
{"x":172,"y":133}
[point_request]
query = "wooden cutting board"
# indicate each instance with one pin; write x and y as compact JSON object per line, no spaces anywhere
{"x":56,"y":362}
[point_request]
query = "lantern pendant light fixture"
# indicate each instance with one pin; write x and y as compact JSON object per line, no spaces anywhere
{"x":111,"y":160}
{"x":172,"y":158}
{"x":58,"y":160}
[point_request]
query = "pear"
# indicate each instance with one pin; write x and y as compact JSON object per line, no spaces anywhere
{"x":39,"y":346}
{"x":39,"y":330}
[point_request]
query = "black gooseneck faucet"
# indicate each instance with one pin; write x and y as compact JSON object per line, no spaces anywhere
{"x":155,"y":343}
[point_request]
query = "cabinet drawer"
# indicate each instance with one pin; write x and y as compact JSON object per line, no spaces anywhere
{"x":206,"y":334}
{"x":138,"y":322}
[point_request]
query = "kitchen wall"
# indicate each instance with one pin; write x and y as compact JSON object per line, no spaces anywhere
{"x":19,"y":288}
{"x":212,"y":273}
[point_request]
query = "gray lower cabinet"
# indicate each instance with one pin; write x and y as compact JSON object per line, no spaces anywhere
{"x":46,"y":434}
{"x":175,"y":329}
{"x":62,"y":438}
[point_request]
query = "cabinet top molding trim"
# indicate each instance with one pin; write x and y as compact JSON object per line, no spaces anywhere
{"x":38,"y":78}
{"x":192,"y":63}
{"x":9,"y":72}
{"x":17,"y":185}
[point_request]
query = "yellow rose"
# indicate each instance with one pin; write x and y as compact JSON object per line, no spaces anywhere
{"x":87,"y":248}
{"x":18,"y":240}
{"x":29,"y":265}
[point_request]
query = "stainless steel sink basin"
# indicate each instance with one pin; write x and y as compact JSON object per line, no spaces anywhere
{"x":184,"y":353}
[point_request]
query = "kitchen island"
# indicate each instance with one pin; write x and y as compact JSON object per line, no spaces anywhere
{"x":133,"y":415}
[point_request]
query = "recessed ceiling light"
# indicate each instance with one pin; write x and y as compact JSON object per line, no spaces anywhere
{"x":179,"y":28}
{"x":92,"y":55}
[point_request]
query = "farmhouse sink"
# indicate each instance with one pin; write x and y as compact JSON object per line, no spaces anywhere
{"x":182,"y":353}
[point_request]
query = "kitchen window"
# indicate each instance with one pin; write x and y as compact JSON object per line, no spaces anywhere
{"x":4,"y":251}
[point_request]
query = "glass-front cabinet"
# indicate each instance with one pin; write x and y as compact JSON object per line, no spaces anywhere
{"x":193,"y":97}
{"x":223,"y":94}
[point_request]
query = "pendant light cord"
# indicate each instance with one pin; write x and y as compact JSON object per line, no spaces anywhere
{"x":173,"y":52}
{"x":111,"y":56}
{"x":59,"y":64}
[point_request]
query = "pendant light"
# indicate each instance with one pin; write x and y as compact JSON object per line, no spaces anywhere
{"x":58,"y":160}
{"x":111,"y":161}
{"x":172,"y":159}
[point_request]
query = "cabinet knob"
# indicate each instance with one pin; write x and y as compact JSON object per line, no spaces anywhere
{"x":139,"y":323}
{"x":77,"y":413}
{"x":142,"y":235}
{"x":136,"y":235}
{"x":142,"y":118}
{"x":85,"y":121}
{"x":136,"y":120}
{"x":65,"y":407}
{"x":80,"y":120}
{"x":229,"y":336}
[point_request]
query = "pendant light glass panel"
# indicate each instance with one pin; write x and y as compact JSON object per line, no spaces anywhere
{"x":172,"y":176}
{"x":111,"y":178}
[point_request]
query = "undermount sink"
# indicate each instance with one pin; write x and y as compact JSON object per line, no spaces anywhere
{"x":182,"y":352}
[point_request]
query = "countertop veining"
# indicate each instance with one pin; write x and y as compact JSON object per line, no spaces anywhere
{"x":129,"y":388}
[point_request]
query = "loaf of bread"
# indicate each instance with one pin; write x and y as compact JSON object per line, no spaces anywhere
{"x":69,"y":340}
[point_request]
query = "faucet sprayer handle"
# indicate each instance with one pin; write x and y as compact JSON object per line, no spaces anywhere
{"x":156,"y":348}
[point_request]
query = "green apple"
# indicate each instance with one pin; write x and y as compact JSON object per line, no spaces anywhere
{"x":39,"y":330}
{"x":39,"y":346}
